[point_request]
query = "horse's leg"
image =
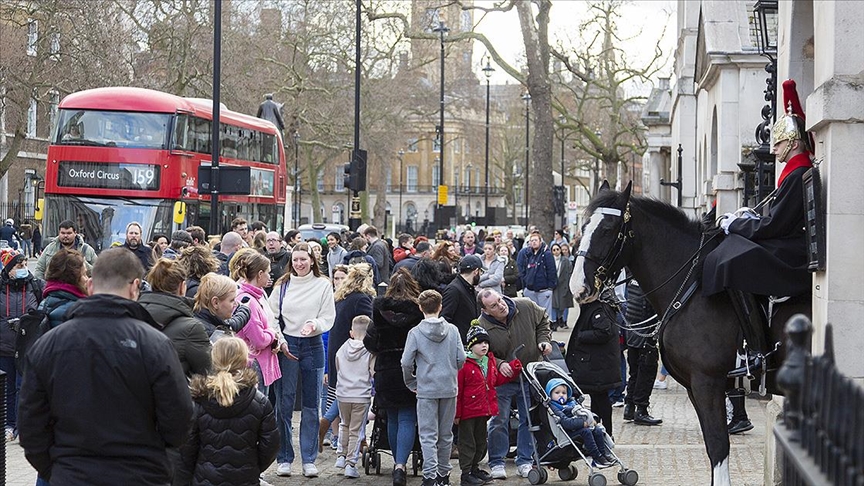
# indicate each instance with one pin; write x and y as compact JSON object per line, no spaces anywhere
{"x":708,"y":396}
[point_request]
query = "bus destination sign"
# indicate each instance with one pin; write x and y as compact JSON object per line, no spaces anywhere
{"x":102,"y":175}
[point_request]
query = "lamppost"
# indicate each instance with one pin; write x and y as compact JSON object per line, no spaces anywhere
{"x":527,"y":98}
{"x":487,"y":70}
{"x":441,"y":29}
{"x":296,"y":178}
{"x":765,"y":12}
{"x":563,"y":119}
{"x":468,"y":187}
{"x":401,"y":156}
{"x":598,"y":134}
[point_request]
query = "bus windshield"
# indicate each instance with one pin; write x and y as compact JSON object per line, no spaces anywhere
{"x":112,"y":129}
{"x":102,"y":221}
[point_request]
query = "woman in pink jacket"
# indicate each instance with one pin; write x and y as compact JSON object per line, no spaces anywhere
{"x":254,"y":270}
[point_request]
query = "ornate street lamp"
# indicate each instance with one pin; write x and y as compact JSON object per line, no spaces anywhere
{"x":296,"y":178}
{"x":401,"y":154}
{"x":765,"y":20}
{"x":487,"y":70}
{"x":441,"y":29}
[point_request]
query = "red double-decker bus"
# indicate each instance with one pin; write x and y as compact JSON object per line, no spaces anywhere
{"x":119,"y":155}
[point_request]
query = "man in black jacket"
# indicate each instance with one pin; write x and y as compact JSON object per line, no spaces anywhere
{"x":459,"y":305}
{"x":642,"y":356}
{"x":278,"y":256}
{"x":104,"y":393}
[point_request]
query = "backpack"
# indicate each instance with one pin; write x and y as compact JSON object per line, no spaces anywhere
{"x":28,"y":328}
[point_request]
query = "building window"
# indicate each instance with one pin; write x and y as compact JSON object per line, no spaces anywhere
{"x":31,"y":118}
{"x":52,"y":110}
{"x":412,"y":145}
{"x":340,"y":180}
{"x":54,"y":46}
{"x":321,"y":184}
{"x":389,"y":179}
{"x":436,"y":179}
{"x":457,"y":145}
{"x":476,"y":178}
{"x":431,"y":18}
{"x":436,"y":144}
{"x":412,"y":178}
{"x":32,"y":36}
{"x":466,"y":21}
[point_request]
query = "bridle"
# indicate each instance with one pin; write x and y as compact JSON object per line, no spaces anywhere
{"x":608,"y":262}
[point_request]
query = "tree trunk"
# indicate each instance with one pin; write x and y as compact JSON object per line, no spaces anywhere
{"x":12,"y":154}
{"x":535,"y":36}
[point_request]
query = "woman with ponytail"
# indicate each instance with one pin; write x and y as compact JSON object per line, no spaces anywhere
{"x":234,"y":437}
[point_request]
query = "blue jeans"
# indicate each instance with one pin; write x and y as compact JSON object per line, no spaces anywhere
{"x":559,"y":314}
{"x":309,"y":364}
{"x":401,"y":432}
{"x":41,"y":482}
{"x":618,"y":394}
{"x":28,"y":248}
{"x":499,"y":435}
{"x":542,"y":298}
{"x":13,"y":384}
{"x":332,"y":411}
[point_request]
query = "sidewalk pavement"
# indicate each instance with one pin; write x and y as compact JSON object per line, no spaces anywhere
{"x":671,"y":454}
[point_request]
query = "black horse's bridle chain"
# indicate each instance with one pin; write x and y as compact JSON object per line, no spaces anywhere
{"x":605,"y":264}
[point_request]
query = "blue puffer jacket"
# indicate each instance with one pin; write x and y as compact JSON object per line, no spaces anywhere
{"x":537,"y":269}
{"x":56,"y":301}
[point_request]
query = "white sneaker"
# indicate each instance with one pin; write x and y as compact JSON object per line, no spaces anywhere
{"x":498,"y":472}
{"x":340,"y":462}
{"x":523,"y":469}
{"x":309,"y":470}
{"x":351,"y":471}
{"x":283,"y":469}
{"x":660,"y":385}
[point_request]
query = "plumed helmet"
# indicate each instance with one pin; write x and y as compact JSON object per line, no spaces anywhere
{"x":790,"y":125}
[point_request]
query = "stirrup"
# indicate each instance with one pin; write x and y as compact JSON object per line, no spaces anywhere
{"x":753,"y":361}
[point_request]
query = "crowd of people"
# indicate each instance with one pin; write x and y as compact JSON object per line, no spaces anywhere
{"x":220,"y":339}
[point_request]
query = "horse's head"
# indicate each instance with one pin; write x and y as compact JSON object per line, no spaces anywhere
{"x":601,"y":253}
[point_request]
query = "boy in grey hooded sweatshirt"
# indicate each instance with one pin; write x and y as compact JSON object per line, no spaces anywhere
{"x":434,"y":349}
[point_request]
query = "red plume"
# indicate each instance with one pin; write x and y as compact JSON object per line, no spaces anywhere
{"x":790,"y":96}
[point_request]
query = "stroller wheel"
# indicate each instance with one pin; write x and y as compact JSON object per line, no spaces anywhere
{"x":534,"y":476}
{"x":628,"y":477}
{"x":596,"y":479}
{"x":544,"y":475}
{"x":366,"y":461}
{"x":377,"y":463}
{"x":568,"y":473}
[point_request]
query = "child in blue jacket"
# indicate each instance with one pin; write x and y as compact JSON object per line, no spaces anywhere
{"x":576,"y":420}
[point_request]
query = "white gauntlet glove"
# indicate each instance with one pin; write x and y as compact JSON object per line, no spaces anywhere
{"x":724,"y":221}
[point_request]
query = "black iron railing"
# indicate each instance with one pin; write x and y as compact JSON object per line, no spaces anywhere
{"x":820,"y":439}
{"x":3,"y":421}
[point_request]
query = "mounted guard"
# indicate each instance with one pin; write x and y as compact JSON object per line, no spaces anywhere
{"x":765,"y":254}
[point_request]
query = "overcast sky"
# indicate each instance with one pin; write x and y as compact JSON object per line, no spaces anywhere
{"x":642,"y":22}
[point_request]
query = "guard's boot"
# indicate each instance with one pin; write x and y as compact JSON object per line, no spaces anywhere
{"x":751,"y":318}
{"x":740,"y":422}
{"x":642,"y":417}
{"x":628,"y":411}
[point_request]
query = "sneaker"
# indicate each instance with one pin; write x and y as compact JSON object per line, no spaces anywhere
{"x":469,"y":479}
{"x":442,"y":480}
{"x":283,"y":469}
{"x":660,"y":385}
{"x":479,"y":473}
{"x":310,"y":471}
{"x":340,"y":462}
{"x":740,"y":426}
{"x":351,"y":471}
{"x":618,"y":403}
{"x":600,"y":462}
{"x":10,"y":434}
{"x":498,"y":472}
{"x":523,"y":470}
{"x":429,"y":482}
{"x":399,"y":477}
{"x":334,"y":443}
{"x":610,"y":459}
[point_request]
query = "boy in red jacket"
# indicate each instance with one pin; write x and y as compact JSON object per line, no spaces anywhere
{"x":476,"y":403}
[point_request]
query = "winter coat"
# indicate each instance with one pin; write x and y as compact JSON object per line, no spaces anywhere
{"x":18,"y":296}
{"x":562,"y":297}
{"x":593,"y":353}
{"x":765,"y":256}
{"x":136,"y":403}
{"x":258,"y":335}
{"x":493,"y":277}
{"x":537,"y":268}
{"x":144,"y":254}
{"x":229,"y":445}
{"x":477,"y":396}
{"x":358,"y":255}
{"x":187,"y":333}
{"x":279,"y":261}
{"x":512,"y":284}
{"x":234,"y":324}
{"x":335,"y":256}
{"x":402,"y":253}
{"x":526,"y":324}
{"x":354,"y":366}
{"x":432,"y":274}
{"x":353,"y":305}
{"x":432,"y":358}
{"x":391,"y":321}
{"x":383,"y":259}
{"x":57,"y":299}
{"x":407,"y":262}
{"x":192,"y":285}
{"x":459,"y":305}
{"x":49,"y":251}
{"x":638,"y":309}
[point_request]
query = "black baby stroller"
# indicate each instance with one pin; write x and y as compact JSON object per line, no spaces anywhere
{"x":378,"y":443}
{"x":553,"y":446}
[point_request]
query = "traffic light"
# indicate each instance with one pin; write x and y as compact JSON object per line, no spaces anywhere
{"x":558,"y":199}
{"x":346,"y":175}
{"x":355,"y":171}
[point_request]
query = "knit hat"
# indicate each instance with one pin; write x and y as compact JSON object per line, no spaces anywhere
{"x":181,"y":235}
{"x":556,"y":382}
{"x":10,"y":258}
{"x":476,"y":334}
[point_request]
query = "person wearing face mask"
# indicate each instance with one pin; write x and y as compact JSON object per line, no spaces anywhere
{"x":20,"y":293}
{"x":459,"y":305}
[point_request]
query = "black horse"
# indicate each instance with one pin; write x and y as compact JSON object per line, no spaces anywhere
{"x":698,"y":343}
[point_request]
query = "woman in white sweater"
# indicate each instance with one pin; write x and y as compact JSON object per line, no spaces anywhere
{"x":304,"y":300}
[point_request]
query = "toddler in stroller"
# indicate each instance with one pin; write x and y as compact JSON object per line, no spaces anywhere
{"x":576,"y":420}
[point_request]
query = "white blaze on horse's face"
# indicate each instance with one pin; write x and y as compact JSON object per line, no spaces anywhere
{"x":579,"y":284}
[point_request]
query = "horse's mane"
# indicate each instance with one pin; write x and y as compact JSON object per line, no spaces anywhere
{"x":655,"y":208}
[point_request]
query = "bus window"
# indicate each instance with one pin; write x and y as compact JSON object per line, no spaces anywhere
{"x":113,"y":129}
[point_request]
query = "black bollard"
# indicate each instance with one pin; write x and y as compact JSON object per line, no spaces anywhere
{"x":790,"y":377}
